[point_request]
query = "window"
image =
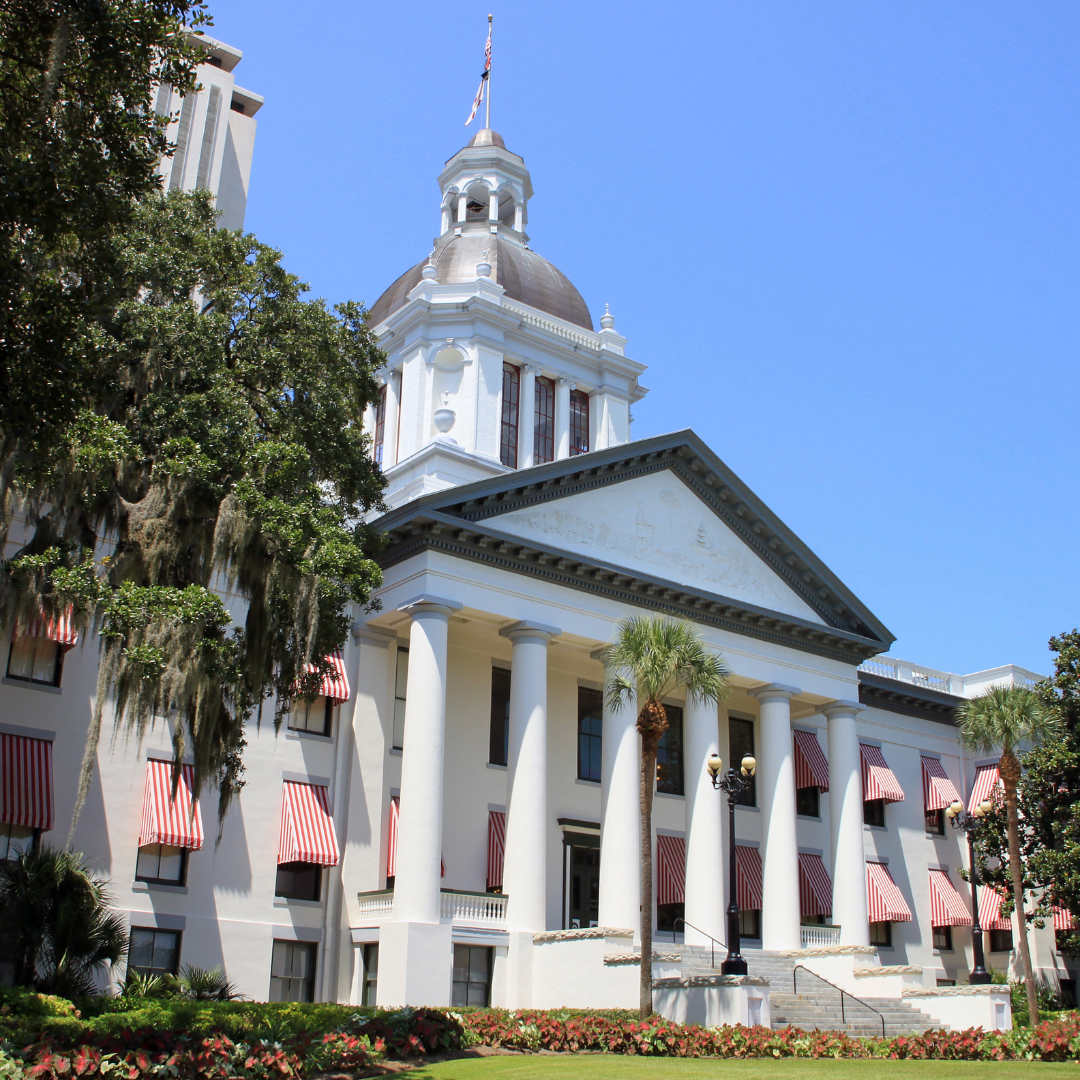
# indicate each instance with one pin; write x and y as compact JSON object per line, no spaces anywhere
{"x":371,"y":974}
{"x":508,"y":431}
{"x":1001,"y":941}
{"x":583,"y":902}
{"x":669,"y":752}
{"x":873,"y":812}
{"x":35,"y":659}
{"x":162,"y":863}
{"x":472,"y":975}
{"x":313,"y":715}
{"x":808,"y":801}
{"x":292,"y":971}
{"x":814,"y":920}
{"x":590,"y":721}
{"x":15,"y":840}
{"x":154,"y":952}
{"x":544,"y":438}
{"x":668,"y":916}
{"x":935,"y":822}
{"x":881,"y":934}
{"x":946,"y":982}
{"x":298,"y":881}
{"x":380,"y":425}
{"x":943,"y":938}
{"x":741,"y":743}
{"x":401,"y":681}
{"x":499,"y":736}
{"x":750,"y":924}
{"x":579,"y":422}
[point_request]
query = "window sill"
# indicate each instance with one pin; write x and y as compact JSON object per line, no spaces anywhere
{"x":752,"y":809}
{"x":286,"y":901}
{"x":293,"y":733}
{"x":808,"y":817}
{"x":493,"y":765}
{"x":876,"y":828}
{"x":596,"y":783}
{"x":936,"y":836}
{"x":26,"y":684}
{"x":158,"y":886}
{"x":395,"y":752}
{"x":661,"y":794}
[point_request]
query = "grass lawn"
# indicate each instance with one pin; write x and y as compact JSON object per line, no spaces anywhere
{"x":617,"y":1066}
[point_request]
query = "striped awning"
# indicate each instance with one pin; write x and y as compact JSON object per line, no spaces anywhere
{"x":26,"y":787}
{"x":61,"y":629}
{"x":885,"y":902}
{"x":947,"y":907}
{"x":815,"y":886}
{"x":1063,"y":920}
{"x":938,"y":790}
{"x":990,"y":901}
{"x":391,"y":842}
{"x":496,"y":848}
{"x":176,"y":822}
{"x":335,"y":685}
{"x":670,"y":869}
{"x":307,"y":826}
{"x":811,"y":765}
{"x":748,"y":877}
{"x":878,"y":781}
{"x":987,"y":787}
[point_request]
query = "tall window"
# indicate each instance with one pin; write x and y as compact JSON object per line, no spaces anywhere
{"x":669,"y":754}
{"x":741,"y":743}
{"x":380,"y":425}
{"x":154,"y":952}
{"x":401,"y":681}
{"x":590,"y":719}
{"x":371,"y":974}
{"x":499,"y":735}
{"x":472,"y":975}
{"x":292,"y":971}
{"x":579,"y":422}
{"x":544,"y":442}
{"x":35,"y":659}
{"x":508,"y":432}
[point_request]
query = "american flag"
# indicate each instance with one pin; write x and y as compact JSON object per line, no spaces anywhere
{"x":483,"y":78}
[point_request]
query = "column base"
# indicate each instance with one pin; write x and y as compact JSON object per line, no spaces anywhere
{"x":415,"y":964}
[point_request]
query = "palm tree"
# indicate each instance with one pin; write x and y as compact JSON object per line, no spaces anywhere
{"x":651,"y":658}
{"x":1002,"y":718}
{"x":57,"y":921}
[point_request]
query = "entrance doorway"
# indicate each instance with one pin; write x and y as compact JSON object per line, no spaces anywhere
{"x":582,"y":875}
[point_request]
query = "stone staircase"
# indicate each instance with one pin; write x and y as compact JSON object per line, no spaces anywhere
{"x":817,"y":1004}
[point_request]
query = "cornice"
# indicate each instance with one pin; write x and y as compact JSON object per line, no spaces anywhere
{"x":908,"y":699}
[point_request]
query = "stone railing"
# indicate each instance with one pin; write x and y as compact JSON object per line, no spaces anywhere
{"x":376,"y":905}
{"x":468,"y":907}
{"x":814,"y":937}
{"x":888,"y":668}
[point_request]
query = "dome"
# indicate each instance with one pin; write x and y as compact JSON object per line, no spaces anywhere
{"x":487,"y":137}
{"x":527,"y":277}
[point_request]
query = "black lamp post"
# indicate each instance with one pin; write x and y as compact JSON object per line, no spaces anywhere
{"x":971,"y":823}
{"x":734,"y":783}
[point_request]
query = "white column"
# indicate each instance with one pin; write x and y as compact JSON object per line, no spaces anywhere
{"x":445,"y":219}
{"x":419,"y":841}
{"x":525,"y":861}
{"x":390,"y":420}
{"x":620,"y":818}
{"x":527,"y":415}
{"x":705,"y":808}
{"x":462,"y":204}
{"x":780,"y":916}
{"x":493,"y":207}
{"x":846,"y":820}
{"x":519,"y":216}
{"x":562,"y":418}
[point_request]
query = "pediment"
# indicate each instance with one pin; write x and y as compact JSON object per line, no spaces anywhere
{"x":656,"y":525}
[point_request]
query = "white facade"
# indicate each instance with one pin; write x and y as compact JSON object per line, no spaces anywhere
{"x":529,"y":569}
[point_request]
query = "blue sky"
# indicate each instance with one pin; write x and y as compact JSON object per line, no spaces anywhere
{"x":843,"y":236}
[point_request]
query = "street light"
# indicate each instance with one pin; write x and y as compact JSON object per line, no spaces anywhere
{"x":971,"y":824}
{"x":734,"y":783}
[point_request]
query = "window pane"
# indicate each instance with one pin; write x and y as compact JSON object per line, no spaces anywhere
{"x":148,"y":862}
{"x":590,"y":727}
{"x":478,"y":965}
{"x":164,"y":951}
{"x":172,"y":863}
{"x":669,"y":754}
{"x":741,"y":744}
{"x":508,"y":438}
{"x":141,"y":950}
{"x":477,"y":994}
{"x":401,"y":681}
{"x":21,"y":658}
{"x":544,"y":439}
{"x":402,"y":673}
{"x":461,"y":963}
{"x":579,"y":422}
{"x":499,"y":731}
{"x":45,"y":655}
{"x":807,"y":802}
{"x":460,"y":994}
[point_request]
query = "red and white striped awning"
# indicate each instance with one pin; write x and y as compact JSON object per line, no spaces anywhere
{"x":61,"y":629}
{"x":307,"y":826}
{"x":670,"y":869}
{"x":885,"y":902}
{"x":878,"y":781}
{"x":987,"y":787}
{"x":335,"y":685}
{"x":938,"y":790}
{"x":748,"y":878}
{"x":178,"y":822}
{"x":811,"y":765}
{"x":391,"y":842}
{"x":26,"y":788}
{"x":990,"y":901}
{"x":815,"y":886}
{"x":1063,"y":920}
{"x":496,"y":848}
{"x":947,"y":907}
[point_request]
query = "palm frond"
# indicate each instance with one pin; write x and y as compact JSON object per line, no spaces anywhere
{"x":1002,"y":718}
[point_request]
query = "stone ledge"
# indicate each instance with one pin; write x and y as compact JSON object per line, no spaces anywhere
{"x":891,"y":969}
{"x":831,"y":950}
{"x":616,"y":958}
{"x":983,"y":990}
{"x":585,"y":933}
{"x":709,"y":980}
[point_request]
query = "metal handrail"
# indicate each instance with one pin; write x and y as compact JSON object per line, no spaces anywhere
{"x":712,"y":947}
{"x":843,"y":993}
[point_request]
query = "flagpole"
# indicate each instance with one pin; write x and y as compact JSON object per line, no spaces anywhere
{"x":487,"y":98}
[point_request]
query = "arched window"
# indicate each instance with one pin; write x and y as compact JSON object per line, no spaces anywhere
{"x":508,"y":436}
{"x":579,"y":422}
{"x":544,"y":446}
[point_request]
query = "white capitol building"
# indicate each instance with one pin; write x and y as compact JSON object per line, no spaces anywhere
{"x":457,"y":820}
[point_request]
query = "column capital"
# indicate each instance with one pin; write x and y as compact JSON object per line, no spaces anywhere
{"x":775,"y":691}
{"x":842,"y":707}
{"x":562,"y":380}
{"x":373,"y":635}
{"x":425,"y":602}
{"x":528,"y":629}
{"x":532,"y":369}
